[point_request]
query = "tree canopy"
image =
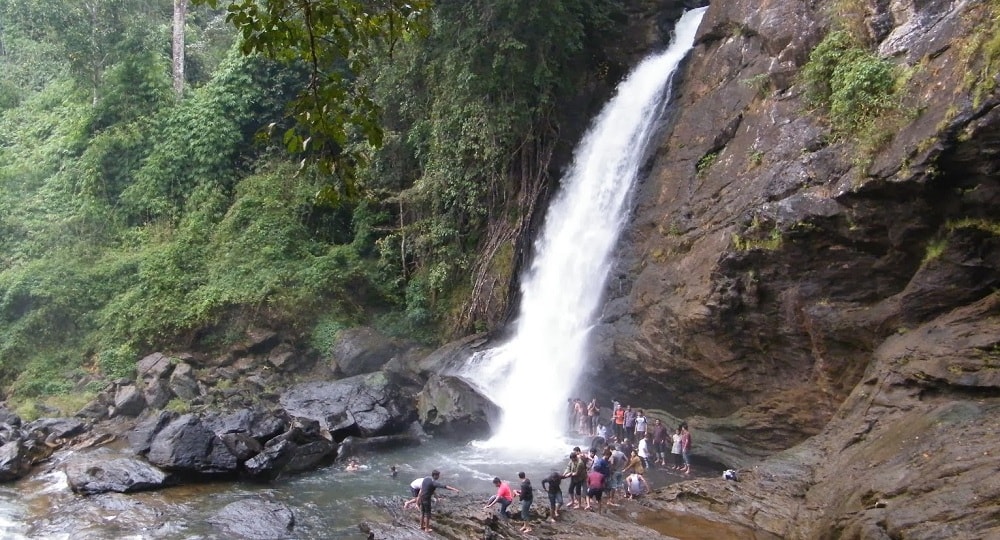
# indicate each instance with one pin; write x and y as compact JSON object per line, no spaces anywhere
{"x":328,"y":163}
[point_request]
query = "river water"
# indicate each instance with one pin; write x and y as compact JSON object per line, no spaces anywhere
{"x":328,"y":503}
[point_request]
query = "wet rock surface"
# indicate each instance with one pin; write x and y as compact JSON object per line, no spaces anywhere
{"x":102,"y":472}
{"x":255,"y":518}
{"x":827,"y":307}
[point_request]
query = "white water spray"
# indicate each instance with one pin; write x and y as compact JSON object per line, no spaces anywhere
{"x":531,"y":376}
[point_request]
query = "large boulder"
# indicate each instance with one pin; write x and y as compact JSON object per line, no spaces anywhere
{"x":449,"y":356}
{"x":141,"y":436}
{"x":101,"y":472}
{"x":9,"y":417}
{"x":362,"y":350}
{"x":255,"y":518}
{"x":257,"y":423}
{"x":367,"y":405}
{"x":450,"y":406}
{"x":129,"y":401}
{"x":303,"y":447}
{"x":183,"y":383}
{"x":14,"y":461}
{"x":156,"y":366}
{"x":186,"y":445}
{"x":56,"y":428}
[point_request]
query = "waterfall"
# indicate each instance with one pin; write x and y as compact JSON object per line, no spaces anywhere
{"x":531,"y":376}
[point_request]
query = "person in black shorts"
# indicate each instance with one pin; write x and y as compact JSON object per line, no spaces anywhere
{"x":424,"y":498}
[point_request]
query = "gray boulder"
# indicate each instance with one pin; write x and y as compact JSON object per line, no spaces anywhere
{"x":362,"y":350}
{"x":183,"y":383}
{"x":451,"y":407}
{"x":156,"y":366}
{"x":186,"y":445}
{"x":353,"y":446}
{"x":14,"y":461}
{"x":157,"y":393}
{"x":271,"y":461}
{"x":98,"y":472}
{"x":365,"y":405}
{"x":255,"y":518}
{"x":8,"y":416}
{"x":61,"y":428}
{"x":141,"y":436}
{"x":303,"y":447}
{"x":129,"y":401}
{"x":257,"y":423}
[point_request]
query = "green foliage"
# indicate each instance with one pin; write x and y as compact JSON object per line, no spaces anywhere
{"x":934,"y":249}
{"x":178,"y":406}
{"x":981,"y":51}
{"x":990,"y":226}
{"x":756,"y":237}
{"x":324,"y":333}
{"x":706,"y":162}
{"x":203,"y":140}
{"x":131,"y":220}
{"x":854,"y":85}
{"x":338,"y":41}
{"x":118,"y":362}
{"x":471,"y":117}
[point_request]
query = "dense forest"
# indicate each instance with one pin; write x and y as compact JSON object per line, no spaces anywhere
{"x":302,"y":165}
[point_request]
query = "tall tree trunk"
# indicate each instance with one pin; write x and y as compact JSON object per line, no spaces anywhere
{"x":180,"y":13}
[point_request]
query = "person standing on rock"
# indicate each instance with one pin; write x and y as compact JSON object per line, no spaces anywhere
{"x":527,"y":494}
{"x":595,"y":488}
{"x":576,"y":471}
{"x":414,"y":492}
{"x":643,"y":449}
{"x":675,"y":450}
{"x":426,"y":495}
{"x":629,"y":423}
{"x":552,"y":486}
{"x":660,"y":437}
{"x":640,"y":426}
{"x":619,"y":417}
{"x":594,"y":415}
{"x":686,"y":448}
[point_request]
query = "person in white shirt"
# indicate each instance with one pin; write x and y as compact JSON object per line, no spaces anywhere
{"x":640,"y":425}
{"x":636,"y":486}
{"x":643,"y":451}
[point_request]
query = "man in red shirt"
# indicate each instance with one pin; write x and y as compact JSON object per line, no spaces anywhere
{"x":504,"y":496}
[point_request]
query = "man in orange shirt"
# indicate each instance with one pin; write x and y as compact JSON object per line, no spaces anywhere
{"x":619,"y":416}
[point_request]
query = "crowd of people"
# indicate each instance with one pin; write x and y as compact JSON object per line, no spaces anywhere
{"x":613,"y":468}
{"x":653,"y":440}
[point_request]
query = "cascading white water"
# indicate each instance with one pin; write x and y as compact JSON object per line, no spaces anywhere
{"x":531,"y":376}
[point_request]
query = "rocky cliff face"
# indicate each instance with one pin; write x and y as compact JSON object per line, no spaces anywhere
{"x":797,"y":291}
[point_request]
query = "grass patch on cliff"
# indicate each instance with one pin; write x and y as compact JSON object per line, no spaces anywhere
{"x":853,"y":85}
{"x":981,"y":52}
{"x":934,"y":249}
{"x":755,"y":237}
{"x":992,"y":227}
